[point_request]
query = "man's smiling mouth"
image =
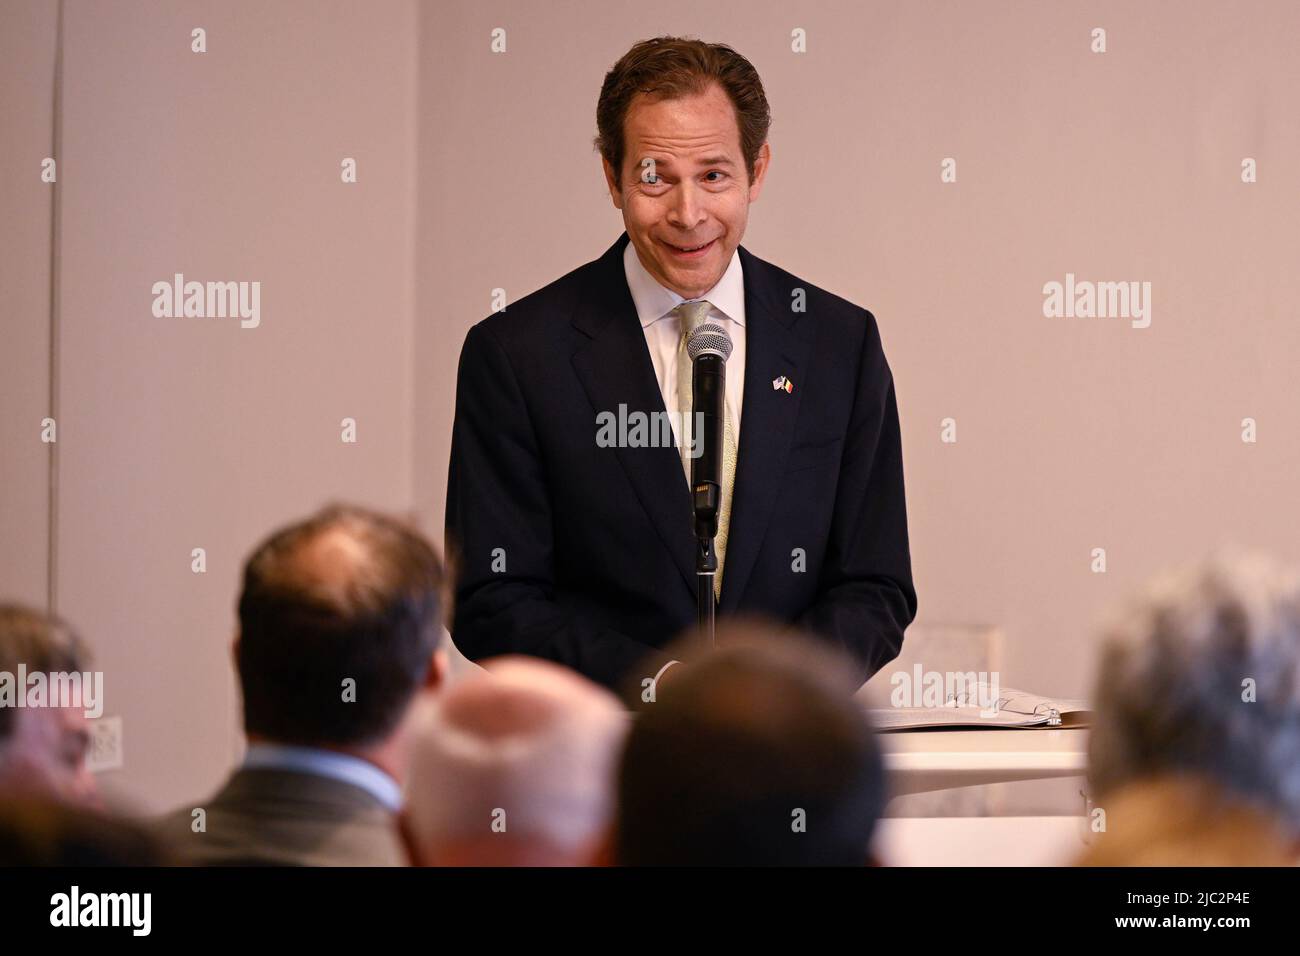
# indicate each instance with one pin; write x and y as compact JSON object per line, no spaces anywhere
{"x":690,"y":251}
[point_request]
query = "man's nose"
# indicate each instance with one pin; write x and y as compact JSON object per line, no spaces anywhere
{"x":687,"y":209}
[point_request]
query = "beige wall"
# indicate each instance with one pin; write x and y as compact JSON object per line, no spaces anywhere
{"x":183,"y":433}
{"x":27,"y":48}
{"x":476,"y":172}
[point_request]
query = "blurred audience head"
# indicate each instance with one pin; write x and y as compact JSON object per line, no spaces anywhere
{"x":754,"y":754}
{"x":1200,"y":678}
{"x":45,"y":833}
{"x":43,"y":748}
{"x":340,"y":626}
{"x":513,"y":766}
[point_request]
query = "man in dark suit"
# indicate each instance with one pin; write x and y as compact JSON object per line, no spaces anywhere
{"x":581,"y":550}
{"x":340,"y":621}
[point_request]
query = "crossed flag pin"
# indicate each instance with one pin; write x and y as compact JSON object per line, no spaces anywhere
{"x":782,"y":384}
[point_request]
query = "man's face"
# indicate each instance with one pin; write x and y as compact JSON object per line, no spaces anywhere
{"x":46,"y":753}
{"x":696,"y":193}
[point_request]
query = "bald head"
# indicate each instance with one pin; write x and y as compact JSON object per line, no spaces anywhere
{"x":337,"y":559}
{"x":339,"y":618}
{"x":513,"y":766}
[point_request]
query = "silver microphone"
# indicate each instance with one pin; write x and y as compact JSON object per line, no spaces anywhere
{"x":708,"y":339}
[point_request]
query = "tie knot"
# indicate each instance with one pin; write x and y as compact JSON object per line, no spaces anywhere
{"x":692,"y":315}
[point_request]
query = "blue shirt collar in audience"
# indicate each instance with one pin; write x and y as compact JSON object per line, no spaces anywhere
{"x":327,"y":763}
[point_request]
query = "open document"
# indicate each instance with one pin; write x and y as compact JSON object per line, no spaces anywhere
{"x":982,"y":705}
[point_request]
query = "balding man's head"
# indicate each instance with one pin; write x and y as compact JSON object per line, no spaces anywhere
{"x":756,"y":754}
{"x":339,"y":618}
{"x":514,"y":766}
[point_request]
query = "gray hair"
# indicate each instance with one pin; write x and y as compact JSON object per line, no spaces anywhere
{"x":527,"y":735}
{"x":1201,"y":676}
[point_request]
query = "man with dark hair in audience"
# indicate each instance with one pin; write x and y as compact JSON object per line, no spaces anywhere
{"x":756,"y":755}
{"x":340,"y":625}
{"x":42,"y":749}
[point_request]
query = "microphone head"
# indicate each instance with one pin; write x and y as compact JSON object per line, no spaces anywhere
{"x":708,"y":339}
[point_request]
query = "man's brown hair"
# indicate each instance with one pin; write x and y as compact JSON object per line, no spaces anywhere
{"x":369,"y":610}
{"x":668,"y":68}
{"x":734,"y":743}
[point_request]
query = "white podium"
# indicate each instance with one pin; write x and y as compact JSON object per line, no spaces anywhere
{"x":920,"y":761}
{"x":923,"y":760}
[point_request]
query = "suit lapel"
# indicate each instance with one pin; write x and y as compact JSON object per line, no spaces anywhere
{"x":615,"y":368}
{"x":776,"y":344}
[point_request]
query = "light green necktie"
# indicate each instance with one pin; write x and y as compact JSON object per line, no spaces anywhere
{"x":691,"y":315}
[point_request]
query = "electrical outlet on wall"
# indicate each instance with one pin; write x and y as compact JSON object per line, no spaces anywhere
{"x":105,"y":744}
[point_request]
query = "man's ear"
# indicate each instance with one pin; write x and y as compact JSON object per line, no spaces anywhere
{"x":439,"y":666}
{"x":611,"y":181}
{"x":761,"y":163}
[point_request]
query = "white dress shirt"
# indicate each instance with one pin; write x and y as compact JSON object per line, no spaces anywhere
{"x":663,"y":331}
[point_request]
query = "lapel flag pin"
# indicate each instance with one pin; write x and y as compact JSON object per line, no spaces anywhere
{"x":782,"y":384}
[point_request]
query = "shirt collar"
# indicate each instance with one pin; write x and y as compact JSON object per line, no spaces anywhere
{"x":653,"y":301}
{"x":327,"y":763}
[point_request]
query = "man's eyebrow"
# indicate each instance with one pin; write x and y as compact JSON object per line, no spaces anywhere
{"x":668,"y":163}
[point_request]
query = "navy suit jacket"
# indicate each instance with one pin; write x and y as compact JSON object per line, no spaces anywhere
{"x":585,"y":554}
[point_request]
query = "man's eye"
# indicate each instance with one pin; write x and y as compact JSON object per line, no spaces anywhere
{"x":716,"y":172}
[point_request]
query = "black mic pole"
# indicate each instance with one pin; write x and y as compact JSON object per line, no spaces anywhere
{"x":708,"y":346}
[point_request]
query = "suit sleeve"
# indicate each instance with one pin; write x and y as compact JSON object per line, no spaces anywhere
{"x":499,"y":516}
{"x":866,"y":598}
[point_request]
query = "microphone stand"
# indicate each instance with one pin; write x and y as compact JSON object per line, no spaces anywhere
{"x":709,"y":347}
{"x":706,"y":495}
